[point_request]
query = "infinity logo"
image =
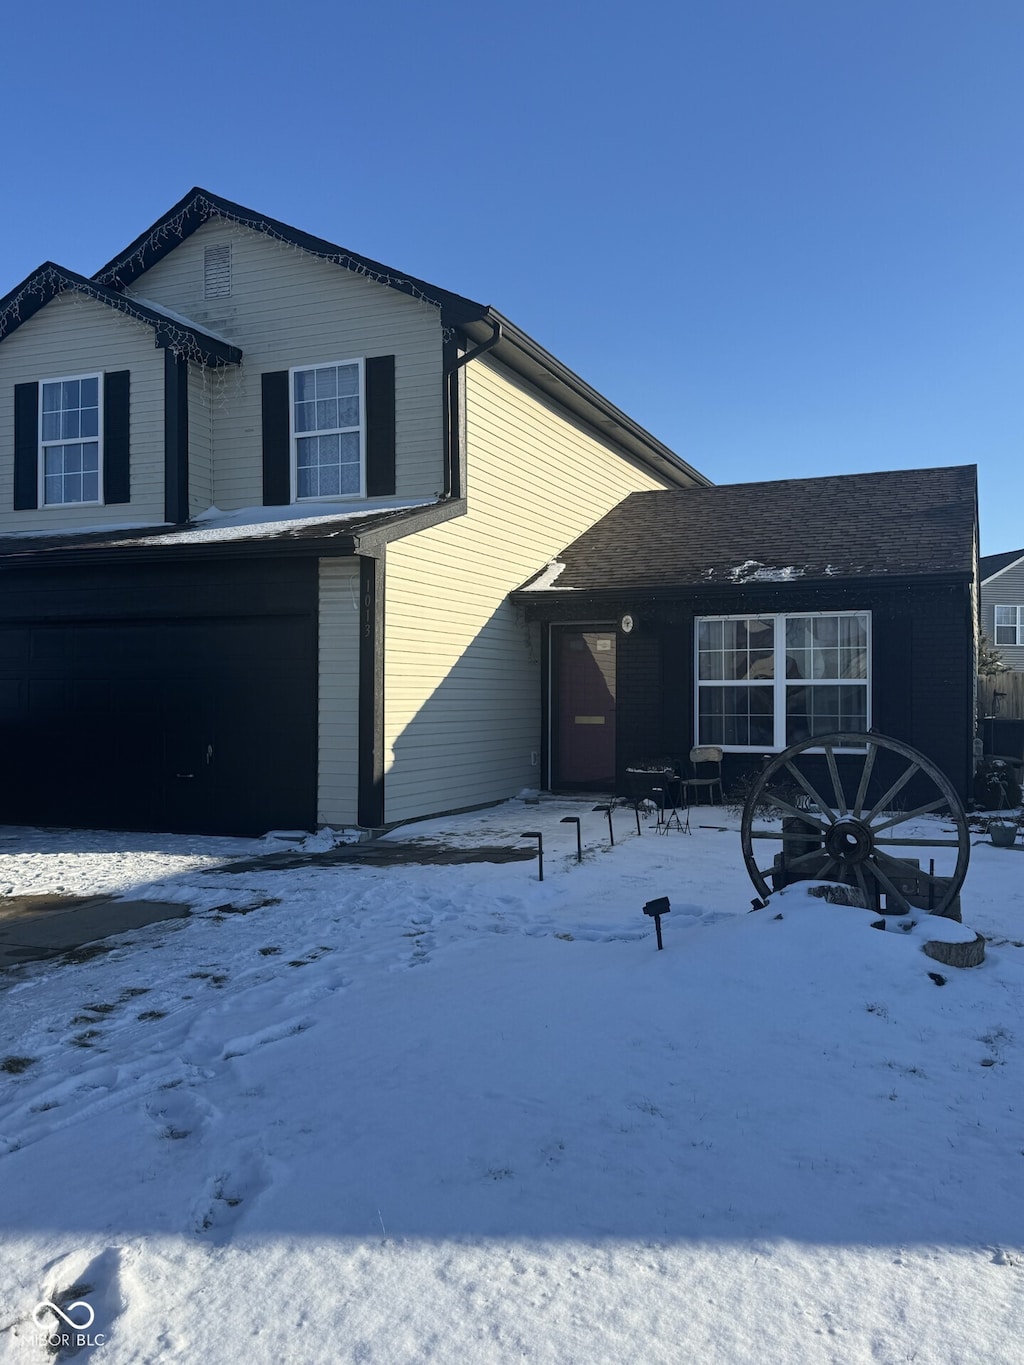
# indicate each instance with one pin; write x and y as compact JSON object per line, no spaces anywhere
{"x":77,"y":1326}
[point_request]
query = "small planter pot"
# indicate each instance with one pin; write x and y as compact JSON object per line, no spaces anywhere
{"x":1003,"y":833}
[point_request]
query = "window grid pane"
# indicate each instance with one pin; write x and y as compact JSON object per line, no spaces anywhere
{"x":70,"y":416}
{"x":743,"y":649}
{"x":326,"y":411}
{"x":736,"y":716}
{"x":1009,"y":622}
{"x":71,"y":472}
{"x":819,"y":685}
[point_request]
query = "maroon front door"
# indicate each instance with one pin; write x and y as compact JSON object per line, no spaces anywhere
{"x":583,"y":707}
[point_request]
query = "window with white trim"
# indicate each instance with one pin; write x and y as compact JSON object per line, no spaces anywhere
{"x":70,"y":436}
{"x":328,"y":431}
{"x":1009,"y":626}
{"x":765,"y":682}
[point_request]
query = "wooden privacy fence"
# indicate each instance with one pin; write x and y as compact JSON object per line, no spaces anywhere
{"x":1001,"y":695}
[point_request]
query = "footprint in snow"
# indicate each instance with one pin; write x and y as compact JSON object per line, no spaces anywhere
{"x":229,"y":1195}
{"x":179,"y":1114}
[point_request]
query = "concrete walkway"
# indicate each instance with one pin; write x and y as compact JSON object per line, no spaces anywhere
{"x":33,"y":928}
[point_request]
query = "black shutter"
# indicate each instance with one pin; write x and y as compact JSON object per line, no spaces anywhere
{"x":380,"y":426}
{"x":116,"y":414}
{"x":277,"y":474}
{"x":26,"y":446}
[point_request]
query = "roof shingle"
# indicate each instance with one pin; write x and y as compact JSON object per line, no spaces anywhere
{"x":896,"y":524}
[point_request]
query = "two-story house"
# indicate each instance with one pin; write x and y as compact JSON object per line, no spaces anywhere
{"x":1002,"y":605}
{"x":262,"y":504}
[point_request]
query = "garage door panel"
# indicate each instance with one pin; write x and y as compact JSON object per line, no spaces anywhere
{"x":190,"y":722}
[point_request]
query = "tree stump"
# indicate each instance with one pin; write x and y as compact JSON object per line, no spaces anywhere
{"x":958,"y":954}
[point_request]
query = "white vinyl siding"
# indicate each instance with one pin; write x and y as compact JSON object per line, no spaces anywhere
{"x":71,"y":336}
{"x":462,"y":671}
{"x":286,"y":310}
{"x":338,"y":759}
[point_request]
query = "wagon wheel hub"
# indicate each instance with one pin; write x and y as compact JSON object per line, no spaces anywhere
{"x":849,"y":840}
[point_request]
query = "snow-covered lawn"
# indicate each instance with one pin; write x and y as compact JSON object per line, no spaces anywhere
{"x":453,"y":1114}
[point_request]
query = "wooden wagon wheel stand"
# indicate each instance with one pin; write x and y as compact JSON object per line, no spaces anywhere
{"x":857,"y":842}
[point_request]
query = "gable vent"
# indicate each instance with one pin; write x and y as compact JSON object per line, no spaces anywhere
{"x":217,"y":272}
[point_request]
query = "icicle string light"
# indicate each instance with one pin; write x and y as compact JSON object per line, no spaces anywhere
{"x":201,"y":210}
{"x":52,"y":282}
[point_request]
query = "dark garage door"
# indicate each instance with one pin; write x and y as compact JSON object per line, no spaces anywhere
{"x":182,"y":699}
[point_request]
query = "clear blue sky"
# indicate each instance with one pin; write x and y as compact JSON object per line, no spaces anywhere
{"x":784,"y":235}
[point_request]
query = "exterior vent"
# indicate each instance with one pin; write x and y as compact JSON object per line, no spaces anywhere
{"x":217,"y":272}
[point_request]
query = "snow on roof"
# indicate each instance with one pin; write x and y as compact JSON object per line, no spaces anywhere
{"x":180,"y":318}
{"x":545,"y":582}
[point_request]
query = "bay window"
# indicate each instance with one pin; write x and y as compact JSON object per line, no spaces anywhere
{"x":765,"y":682}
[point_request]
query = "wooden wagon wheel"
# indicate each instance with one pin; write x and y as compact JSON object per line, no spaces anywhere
{"x":827,"y":836}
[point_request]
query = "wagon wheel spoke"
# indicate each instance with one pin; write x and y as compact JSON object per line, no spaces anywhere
{"x":902,"y":818}
{"x":818,"y":856}
{"x":779,"y":837}
{"x":837,"y":786}
{"x":865,"y":778}
{"x":870,"y":900}
{"x":917,"y":843}
{"x":818,"y":800}
{"x":896,"y":787}
{"x":890,"y":890}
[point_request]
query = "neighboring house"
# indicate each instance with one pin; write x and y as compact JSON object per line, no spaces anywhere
{"x":1002,"y":605}
{"x":262,"y":505}
{"x":754,"y":616}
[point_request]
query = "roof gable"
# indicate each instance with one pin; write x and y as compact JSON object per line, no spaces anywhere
{"x":905,"y":523}
{"x":993,"y":565}
{"x":199,"y":206}
{"x":171,"y":331}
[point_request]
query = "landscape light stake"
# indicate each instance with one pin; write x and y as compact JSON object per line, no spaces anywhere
{"x":575,"y":820}
{"x":656,"y":909}
{"x":535,"y":834}
{"x":608,"y":811}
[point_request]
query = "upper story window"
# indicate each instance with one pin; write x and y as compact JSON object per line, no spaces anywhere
{"x":1009,"y":625}
{"x":328,"y":435}
{"x":770,"y":681}
{"x":69,"y":440}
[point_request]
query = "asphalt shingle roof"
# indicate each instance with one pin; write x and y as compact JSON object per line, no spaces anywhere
{"x":896,"y":524}
{"x":992,"y":564}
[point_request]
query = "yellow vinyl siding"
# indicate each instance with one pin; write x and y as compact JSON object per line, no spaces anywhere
{"x":200,"y":440}
{"x":338,"y":762}
{"x":462,"y":670}
{"x":76,"y":335}
{"x":288,"y":308}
